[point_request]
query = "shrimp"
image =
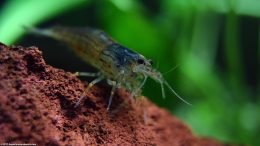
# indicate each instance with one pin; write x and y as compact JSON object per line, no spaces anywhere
{"x":119,"y":65}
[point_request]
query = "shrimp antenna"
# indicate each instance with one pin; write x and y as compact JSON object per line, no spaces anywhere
{"x":163,"y":91}
{"x":176,"y":94}
{"x":172,"y":69}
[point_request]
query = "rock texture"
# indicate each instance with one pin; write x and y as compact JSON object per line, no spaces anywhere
{"x":37,"y":106}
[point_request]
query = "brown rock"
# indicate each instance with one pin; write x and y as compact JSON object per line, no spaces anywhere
{"x":37,"y":106}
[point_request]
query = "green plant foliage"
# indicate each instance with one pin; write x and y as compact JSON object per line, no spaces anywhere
{"x":205,"y":38}
{"x":17,"y":13}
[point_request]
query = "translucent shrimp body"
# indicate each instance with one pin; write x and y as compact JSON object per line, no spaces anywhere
{"x":120,"y":66}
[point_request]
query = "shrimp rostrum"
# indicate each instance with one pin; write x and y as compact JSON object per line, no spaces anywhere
{"x":119,"y":65}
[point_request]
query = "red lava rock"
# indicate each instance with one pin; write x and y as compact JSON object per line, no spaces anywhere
{"x":37,"y":106}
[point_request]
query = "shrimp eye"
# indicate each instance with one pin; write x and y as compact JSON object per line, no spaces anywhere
{"x":140,"y":61}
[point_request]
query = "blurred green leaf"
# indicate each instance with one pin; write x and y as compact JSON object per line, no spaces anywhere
{"x":18,"y":13}
{"x":242,"y":7}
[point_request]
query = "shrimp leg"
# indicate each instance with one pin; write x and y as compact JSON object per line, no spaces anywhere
{"x":139,"y":87}
{"x":114,"y":85}
{"x":91,"y":84}
{"x":112,"y":93}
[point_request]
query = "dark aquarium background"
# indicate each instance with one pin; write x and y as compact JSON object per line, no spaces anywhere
{"x":214,"y":45}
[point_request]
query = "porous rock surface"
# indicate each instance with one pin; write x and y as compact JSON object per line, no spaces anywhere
{"x":37,"y":106}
